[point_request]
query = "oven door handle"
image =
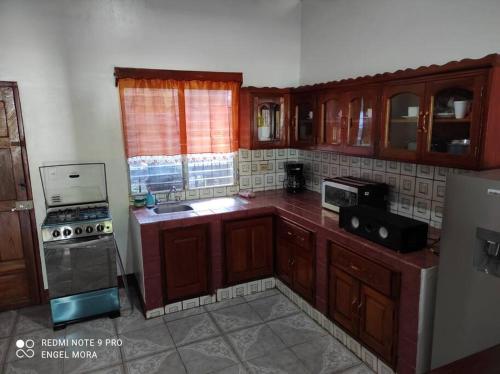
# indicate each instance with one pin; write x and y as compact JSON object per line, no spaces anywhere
{"x":79,"y":242}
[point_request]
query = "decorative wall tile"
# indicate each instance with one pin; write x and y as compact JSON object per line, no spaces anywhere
{"x":440,"y":173}
{"x":369,"y":359}
{"x":378,"y":176}
{"x":206,"y":192}
{"x":271,"y":166}
{"x":255,"y":286}
{"x":208,"y":299}
{"x":354,"y":346}
{"x":280,"y":166}
{"x":325,"y":169}
{"x":257,"y":181}
{"x":438,"y":191}
{"x":334,"y":171}
{"x":408,"y":169}
{"x":281,"y":154}
{"x":155,"y":313}
{"x":355,"y":172}
{"x":383,"y":368}
{"x":423,"y":188}
{"x":407,"y":184}
{"x":192,"y":194}
{"x":393,"y":201}
{"x":393,"y":181}
{"x":308,"y":155}
{"x":280,"y":177}
{"x":405,"y":204}
{"x":245,"y":168}
{"x":224,"y":293}
{"x":269,"y":154}
{"x":425,"y":171}
{"x":422,"y":208}
{"x":366,"y":174}
{"x":257,"y":155}
{"x":191,"y":303}
{"x":367,"y":163}
{"x":292,"y":153}
{"x":232,"y":190}
{"x":393,"y":167}
{"x":268,"y":283}
{"x":344,"y":160}
{"x":270,"y":180}
{"x":174,"y":307}
{"x":335,"y":158}
{"x":344,"y":171}
{"x":317,"y":183}
{"x":379,"y":165}
{"x":240,"y":290}
{"x":245,"y":155}
{"x":325,"y":157}
{"x":316,"y":167}
{"x":245,"y":182}
{"x":339,"y":334}
{"x":354,"y":161}
{"x":437,"y":211}
{"x":219,"y":191}
{"x":317,"y":156}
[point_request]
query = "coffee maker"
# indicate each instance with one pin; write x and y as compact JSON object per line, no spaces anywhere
{"x":294,"y":181}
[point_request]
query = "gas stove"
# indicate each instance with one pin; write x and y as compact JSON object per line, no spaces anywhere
{"x":76,"y":221}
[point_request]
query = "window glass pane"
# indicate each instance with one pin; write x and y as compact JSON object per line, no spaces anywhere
{"x":157,"y":173}
{"x":210,"y":170}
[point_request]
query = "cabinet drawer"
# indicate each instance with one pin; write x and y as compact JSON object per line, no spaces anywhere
{"x":290,"y":231}
{"x":374,"y":275}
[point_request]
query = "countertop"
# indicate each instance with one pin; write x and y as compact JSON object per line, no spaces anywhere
{"x":305,"y":208}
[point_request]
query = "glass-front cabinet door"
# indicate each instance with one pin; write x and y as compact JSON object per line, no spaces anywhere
{"x":451,"y":127}
{"x":331,"y":120}
{"x":269,"y":114}
{"x":403,"y":112}
{"x":304,"y":116}
{"x":361,"y":121}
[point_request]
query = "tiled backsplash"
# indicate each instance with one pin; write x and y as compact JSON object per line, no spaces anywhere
{"x":416,"y":191}
{"x":263,"y":170}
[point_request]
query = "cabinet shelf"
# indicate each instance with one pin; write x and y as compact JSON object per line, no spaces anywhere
{"x":411,"y":121}
{"x":451,"y":120}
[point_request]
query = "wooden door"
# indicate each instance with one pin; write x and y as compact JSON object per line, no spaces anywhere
{"x":402,"y":116}
{"x":332,"y":121}
{"x":303,"y":132}
{"x":344,"y":300}
{"x":377,"y":327}
{"x":248,"y":249}
{"x":303,"y":272}
{"x":451,"y":135}
{"x":362,"y":111}
{"x":19,"y":258}
{"x":185,"y":252}
{"x":284,"y":261}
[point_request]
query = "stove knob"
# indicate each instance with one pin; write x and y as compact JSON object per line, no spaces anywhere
{"x":78,"y":230}
{"x":89,"y":229}
{"x":100,"y":227}
{"x":67,"y":232}
{"x":56,"y":233}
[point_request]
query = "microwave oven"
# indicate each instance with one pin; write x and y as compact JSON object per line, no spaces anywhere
{"x":350,"y":191}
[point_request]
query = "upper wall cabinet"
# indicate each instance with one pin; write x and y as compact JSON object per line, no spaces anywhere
{"x":264,"y":118}
{"x":438,"y":121}
{"x":348,"y":121}
{"x":303,"y":128}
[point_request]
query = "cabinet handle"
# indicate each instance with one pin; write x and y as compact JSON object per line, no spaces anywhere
{"x":424,"y":127}
{"x":360,"y":305}
{"x":289,"y":233}
{"x":354,"y":267}
{"x":292,"y":262}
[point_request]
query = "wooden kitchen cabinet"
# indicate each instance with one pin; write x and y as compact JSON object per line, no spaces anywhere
{"x":264,"y":117}
{"x":363,"y":300}
{"x":348,"y":120}
{"x":295,"y":258}
{"x":421,"y":124}
{"x":185,"y":253}
{"x":248,"y":249}
{"x":303,"y":126}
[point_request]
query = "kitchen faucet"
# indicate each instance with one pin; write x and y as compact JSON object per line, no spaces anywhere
{"x":172,"y":189}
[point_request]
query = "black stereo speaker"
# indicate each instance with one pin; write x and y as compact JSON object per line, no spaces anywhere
{"x":382,"y":227}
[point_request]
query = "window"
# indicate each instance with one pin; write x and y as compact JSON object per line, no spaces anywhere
{"x":180,"y":133}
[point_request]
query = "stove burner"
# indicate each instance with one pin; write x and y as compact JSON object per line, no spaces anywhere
{"x":76,"y":215}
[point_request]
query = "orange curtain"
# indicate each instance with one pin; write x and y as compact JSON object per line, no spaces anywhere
{"x":168,"y":117}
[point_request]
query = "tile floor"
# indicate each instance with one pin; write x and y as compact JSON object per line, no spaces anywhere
{"x":262,"y":333}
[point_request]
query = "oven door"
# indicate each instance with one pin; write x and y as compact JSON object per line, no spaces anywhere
{"x":80,"y":265}
{"x":336,"y":195}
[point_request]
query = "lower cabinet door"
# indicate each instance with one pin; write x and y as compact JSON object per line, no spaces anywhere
{"x":284,"y":261}
{"x":303,"y":273}
{"x":377,"y":322}
{"x":344,"y":302}
{"x":186,"y":266}
{"x":248,"y":249}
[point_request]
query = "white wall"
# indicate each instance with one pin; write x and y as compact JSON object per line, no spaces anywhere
{"x":349,"y":38}
{"x":62,"y":55}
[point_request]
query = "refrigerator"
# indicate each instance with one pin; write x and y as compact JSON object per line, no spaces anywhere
{"x":467,"y":308}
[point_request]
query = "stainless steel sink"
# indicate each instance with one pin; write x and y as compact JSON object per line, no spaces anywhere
{"x":172,"y":208}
